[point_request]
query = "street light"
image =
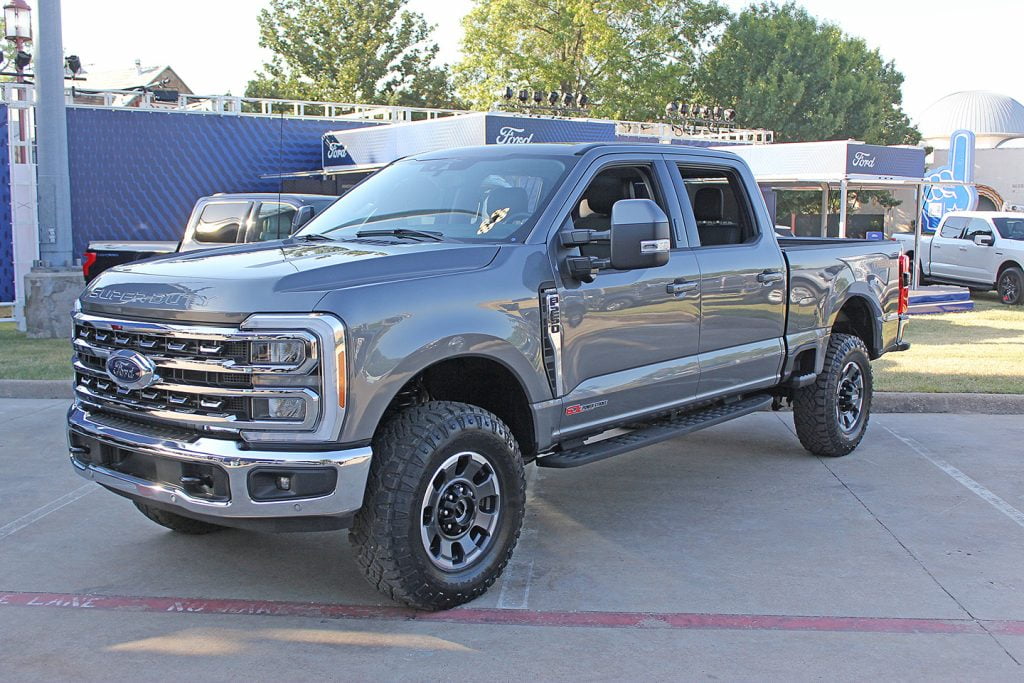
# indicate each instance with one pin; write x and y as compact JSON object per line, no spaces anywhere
{"x":18,"y":30}
{"x":18,"y":21}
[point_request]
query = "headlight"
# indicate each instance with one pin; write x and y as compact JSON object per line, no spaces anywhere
{"x":278,"y":409}
{"x":280,"y":352}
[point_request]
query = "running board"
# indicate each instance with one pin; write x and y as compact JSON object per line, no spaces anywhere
{"x":655,"y":432}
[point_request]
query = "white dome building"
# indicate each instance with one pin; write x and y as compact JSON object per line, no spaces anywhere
{"x":995,"y":119}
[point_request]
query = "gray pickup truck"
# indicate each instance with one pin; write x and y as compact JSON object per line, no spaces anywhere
{"x":393,"y":366}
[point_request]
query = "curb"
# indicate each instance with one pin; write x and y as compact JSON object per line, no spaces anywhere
{"x":883,"y":402}
{"x":917,"y":402}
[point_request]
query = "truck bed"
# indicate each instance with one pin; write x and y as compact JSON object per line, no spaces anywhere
{"x":822,"y":271}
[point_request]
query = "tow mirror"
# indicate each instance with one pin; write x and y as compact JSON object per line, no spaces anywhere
{"x":302,"y":216}
{"x":638,"y":238}
{"x":984,"y":240}
{"x":639,"y":235}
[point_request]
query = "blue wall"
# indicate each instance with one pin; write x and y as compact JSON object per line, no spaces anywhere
{"x":136,"y":174}
{"x":6,"y":224}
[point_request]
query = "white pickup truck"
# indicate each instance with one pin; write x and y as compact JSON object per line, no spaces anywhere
{"x":982,"y":250}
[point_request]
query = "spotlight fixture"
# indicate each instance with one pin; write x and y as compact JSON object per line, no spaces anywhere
{"x":672,"y":108}
{"x":553,"y":97}
{"x":73,"y":64}
{"x":684,"y":108}
{"x":584,"y":100}
{"x":568,"y":99}
{"x":524,"y":95}
{"x":717,"y":112}
{"x":729,"y":114}
{"x":538,"y":96}
{"x":508,"y":94}
{"x":22,"y":59}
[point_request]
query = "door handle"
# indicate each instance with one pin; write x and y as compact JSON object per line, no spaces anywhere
{"x":963,"y":248}
{"x":682,"y":287}
{"x":770,"y":276}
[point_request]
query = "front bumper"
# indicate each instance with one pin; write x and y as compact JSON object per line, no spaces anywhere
{"x":158,"y":466}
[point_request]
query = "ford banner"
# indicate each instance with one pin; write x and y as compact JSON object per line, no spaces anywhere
{"x":333,"y":152}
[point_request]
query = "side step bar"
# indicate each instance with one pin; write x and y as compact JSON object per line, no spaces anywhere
{"x":655,"y":432}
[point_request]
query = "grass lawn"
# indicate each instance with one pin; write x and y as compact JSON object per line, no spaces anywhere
{"x":977,"y":352}
{"x":981,"y":351}
{"x":23,"y":358}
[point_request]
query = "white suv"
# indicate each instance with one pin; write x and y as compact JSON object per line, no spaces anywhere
{"x":977,"y":249}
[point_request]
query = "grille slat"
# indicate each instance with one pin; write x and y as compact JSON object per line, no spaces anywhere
{"x":203,"y":375}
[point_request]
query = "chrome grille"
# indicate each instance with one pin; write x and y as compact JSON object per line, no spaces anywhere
{"x":204,"y":378}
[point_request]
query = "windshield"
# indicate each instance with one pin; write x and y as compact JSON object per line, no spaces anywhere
{"x":463,"y":199}
{"x":1010,"y":228}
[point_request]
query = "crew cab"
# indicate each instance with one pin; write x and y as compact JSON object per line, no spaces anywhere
{"x":216,"y":221}
{"x":983,"y":250}
{"x":462,"y":314}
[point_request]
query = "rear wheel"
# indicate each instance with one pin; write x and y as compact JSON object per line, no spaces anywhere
{"x":444,"y":505}
{"x":183,"y":525}
{"x":1011,"y":286}
{"x":832,"y":414}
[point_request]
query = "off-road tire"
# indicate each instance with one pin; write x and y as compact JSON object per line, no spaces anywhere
{"x":386,"y":532}
{"x":1012,"y":277}
{"x":815,"y":413}
{"x":183,"y":525}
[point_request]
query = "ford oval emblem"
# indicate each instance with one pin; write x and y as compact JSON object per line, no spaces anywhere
{"x":130,"y":369}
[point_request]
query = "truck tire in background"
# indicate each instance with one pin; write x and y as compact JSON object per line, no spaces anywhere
{"x":832,"y":414}
{"x":444,"y":505}
{"x":1011,"y":286}
{"x":183,"y":525}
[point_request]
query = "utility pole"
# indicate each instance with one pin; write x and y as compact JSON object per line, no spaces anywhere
{"x":54,"y":182}
{"x":54,"y":284}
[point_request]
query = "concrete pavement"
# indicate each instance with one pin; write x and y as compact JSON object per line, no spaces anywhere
{"x":730,"y":553}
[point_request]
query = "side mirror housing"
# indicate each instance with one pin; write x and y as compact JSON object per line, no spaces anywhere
{"x":302,"y":216}
{"x":984,"y":240}
{"x":640,"y":236}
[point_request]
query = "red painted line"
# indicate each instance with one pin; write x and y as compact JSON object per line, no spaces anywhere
{"x":515,"y":617}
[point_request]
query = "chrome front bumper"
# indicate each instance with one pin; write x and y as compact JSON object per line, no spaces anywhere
{"x":352,"y":466}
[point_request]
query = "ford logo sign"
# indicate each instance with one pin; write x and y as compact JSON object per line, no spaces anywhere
{"x":130,"y":369}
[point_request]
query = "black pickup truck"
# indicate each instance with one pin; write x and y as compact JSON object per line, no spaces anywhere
{"x":216,"y":221}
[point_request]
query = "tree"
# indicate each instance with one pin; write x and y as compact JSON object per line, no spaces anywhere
{"x":781,"y":69}
{"x":365,"y":51}
{"x":628,"y":56}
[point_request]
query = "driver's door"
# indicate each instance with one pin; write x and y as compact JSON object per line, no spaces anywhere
{"x":629,"y":338}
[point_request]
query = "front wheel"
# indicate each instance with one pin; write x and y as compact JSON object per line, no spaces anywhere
{"x":832,"y":414}
{"x":444,"y":505}
{"x":1011,"y":286}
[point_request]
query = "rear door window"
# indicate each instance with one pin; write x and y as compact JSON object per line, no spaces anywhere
{"x":953,"y":227}
{"x":719,"y":206}
{"x":273,"y":221}
{"x":220,"y":222}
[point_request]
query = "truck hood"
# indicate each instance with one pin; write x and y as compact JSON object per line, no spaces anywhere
{"x":228,"y":284}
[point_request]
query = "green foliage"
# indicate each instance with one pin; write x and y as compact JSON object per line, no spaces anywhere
{"x":783,"y":70}
{"x":365,"y":51}
{"x":628,"y":56}
{"x":804,"y":202}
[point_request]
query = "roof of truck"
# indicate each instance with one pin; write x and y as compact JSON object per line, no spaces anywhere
{"x":569,"y":149}
{"x":986,"y":214}
{"x":271,"y":195}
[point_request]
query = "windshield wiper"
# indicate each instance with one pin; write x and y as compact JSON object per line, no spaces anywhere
{"x":403,"y":232}
{"x":313,"y":237}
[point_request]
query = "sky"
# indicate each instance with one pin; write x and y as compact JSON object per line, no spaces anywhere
{"x":941,"y":46}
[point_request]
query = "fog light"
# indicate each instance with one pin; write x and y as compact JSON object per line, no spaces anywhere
{"x":278,"y":409}
{"x":282,"y":352}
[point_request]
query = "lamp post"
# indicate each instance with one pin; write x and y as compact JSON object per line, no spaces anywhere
{"x":18,"y":30}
